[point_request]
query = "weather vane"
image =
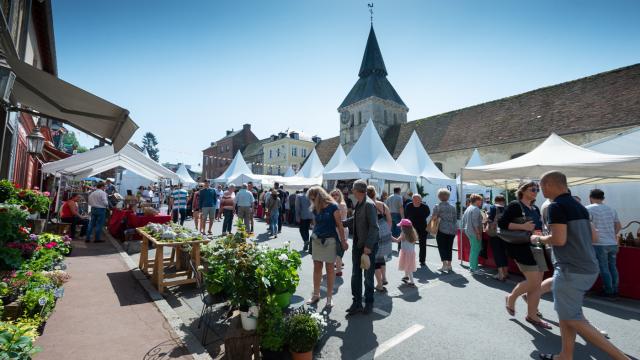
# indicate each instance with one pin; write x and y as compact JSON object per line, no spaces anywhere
{"x":370,"y":5}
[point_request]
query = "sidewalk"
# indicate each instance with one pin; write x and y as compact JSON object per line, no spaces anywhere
{"x":106,"y":314}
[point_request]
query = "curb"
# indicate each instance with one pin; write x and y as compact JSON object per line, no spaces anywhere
{"x":196,"y":350}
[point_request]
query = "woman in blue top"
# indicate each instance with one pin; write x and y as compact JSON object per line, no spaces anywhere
{"x":327,"y":240}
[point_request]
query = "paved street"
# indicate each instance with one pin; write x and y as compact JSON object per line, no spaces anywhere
{"x":451,"y":316}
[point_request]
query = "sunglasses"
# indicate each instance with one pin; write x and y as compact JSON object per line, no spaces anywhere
{"x":534,"y":189}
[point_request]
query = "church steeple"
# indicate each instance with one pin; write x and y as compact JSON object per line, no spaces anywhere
{"x":372,"y":62}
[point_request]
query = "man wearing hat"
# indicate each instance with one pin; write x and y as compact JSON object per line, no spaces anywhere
{"x":365,"y":242}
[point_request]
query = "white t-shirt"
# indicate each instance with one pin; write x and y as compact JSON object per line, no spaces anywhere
{"x":604,"y":219}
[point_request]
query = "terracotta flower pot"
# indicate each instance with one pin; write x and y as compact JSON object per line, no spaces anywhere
{"x":302,"y":356}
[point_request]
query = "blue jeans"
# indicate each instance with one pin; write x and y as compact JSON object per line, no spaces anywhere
{"x":273,"y":222}
{"x":606,"y":255}
{"x":395,"y":219}
{"x":97,"y":222}
{"x":356,"y":276}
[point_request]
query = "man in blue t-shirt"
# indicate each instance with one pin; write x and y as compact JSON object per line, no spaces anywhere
{"x":576,"y":268}
{"x":207,"y":199}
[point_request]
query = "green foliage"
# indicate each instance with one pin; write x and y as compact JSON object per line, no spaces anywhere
{"x":150,"y":143}
{"x":44,"y":259}
{"x":271,"y":325}
{"x":12,"y":222}
{"x":10,"y":258}
{"x":58,"y":243}
{"x":33,"y":200}
{"x":7,"y":190}
{"x":302,"y":332}
{"x":38,"y":301}
{"x":279,"y":270}
{"x":420,"y":189}
{"x":244,"y":278}
{"x":16,"y":341}
{"x":70,"y":140}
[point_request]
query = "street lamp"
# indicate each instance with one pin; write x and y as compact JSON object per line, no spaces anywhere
{"x":35,"y":142}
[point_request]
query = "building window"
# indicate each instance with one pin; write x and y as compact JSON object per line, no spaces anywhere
{"x":294,"y":151}
{"x":304,"y":152}
{"x":270,"y":153}
{"x":439,"y":165}
{"x":279,"y":170}
{"x":359,"y":117}
{"x":352,"y":120}
{"x":278,"y":152}
{"x":226,"y":148}
{"x":517,"y":155}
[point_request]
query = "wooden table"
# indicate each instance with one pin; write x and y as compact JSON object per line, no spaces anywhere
{"x":157,"y":265}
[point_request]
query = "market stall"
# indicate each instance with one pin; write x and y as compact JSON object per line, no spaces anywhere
{"x":369,"y":159}
{"x":122,"y":220}
{"x":581,"y":166}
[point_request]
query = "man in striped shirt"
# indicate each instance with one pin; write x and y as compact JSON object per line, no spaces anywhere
{"x":179,"y":201}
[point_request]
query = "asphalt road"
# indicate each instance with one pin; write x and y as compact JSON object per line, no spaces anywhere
{"x":448,"y":316}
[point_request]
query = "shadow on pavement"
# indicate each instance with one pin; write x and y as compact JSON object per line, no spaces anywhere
{"x":127,"y":289}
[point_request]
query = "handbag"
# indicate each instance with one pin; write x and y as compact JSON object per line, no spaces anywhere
{"x":433,"y":225}
{"x":518,"y":237}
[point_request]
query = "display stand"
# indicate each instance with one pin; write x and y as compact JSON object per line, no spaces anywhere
{"x":157,"y":265}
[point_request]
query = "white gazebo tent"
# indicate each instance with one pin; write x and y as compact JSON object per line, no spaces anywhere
{"x":185,"y":178}
{"x":369,"y":159}
{"x":312,"y":168}
{"x":616,"y":195}
{"x":470,"y":188}
{"x":104,"y":158}
{"x":416,"y":161}
{"x":237,"y":172}
{"x":580,"y":165}
{"x":337,"y":157}
{"x":289,"y":172}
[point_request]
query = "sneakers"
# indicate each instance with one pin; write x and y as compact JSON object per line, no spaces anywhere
{"x":354,"y":309}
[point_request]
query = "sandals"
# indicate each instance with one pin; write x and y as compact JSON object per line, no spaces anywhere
{"x":405,"y":279}
{"x":381,"y":290}
{"x":314,"y":299}
{"x":538,"y":323}
{"x":524,"y":298}
{"x":329,"y":304}
{"x":510,"y":310}
{"x":547,"y":356}
{"x":411,"y":285}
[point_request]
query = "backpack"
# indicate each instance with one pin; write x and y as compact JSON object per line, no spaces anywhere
{"x":492,"y":226}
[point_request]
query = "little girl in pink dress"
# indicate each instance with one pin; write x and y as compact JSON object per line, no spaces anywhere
{"x":407,"y":240}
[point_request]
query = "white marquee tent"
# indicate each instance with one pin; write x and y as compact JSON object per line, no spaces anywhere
{"x":104,"y":158}
{"x":337,"y":157}
{"x":237,"y":172}
{"x":369,"y":159}
{"x":185,"y":178}
{"x":581,"y":165}
{"x":470,"y":188}
{"x":416,"y":161}
{"x":289,"y":172}
{"x":312,"y":168}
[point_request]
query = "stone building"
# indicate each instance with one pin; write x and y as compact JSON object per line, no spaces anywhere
{"x":581,"y":111}
{"x":372,"y":97}
{"x":288,"y":148}
{"x":217,"y":157}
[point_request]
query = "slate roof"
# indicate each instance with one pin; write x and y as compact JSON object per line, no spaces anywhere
{"x":326,"y":147}
{"x":606,"y":100}
{"x":255,"y":149}
{"x":372,"y":76}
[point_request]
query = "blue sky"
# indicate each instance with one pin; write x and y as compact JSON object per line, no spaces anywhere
{"x":189,"y":70}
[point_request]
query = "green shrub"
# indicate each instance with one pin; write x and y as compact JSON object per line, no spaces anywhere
{"x":16,"y":342}
{"x":302,"y":332}
{"x":271,"y":325}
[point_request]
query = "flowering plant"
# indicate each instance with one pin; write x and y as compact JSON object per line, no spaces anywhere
{"x":62,"y":244}
{"x":7,"y":190}
{"x":34,"y":200}
{"x":57,"y":277}
{"x":279,"y":270}
{"x":12,"y":223}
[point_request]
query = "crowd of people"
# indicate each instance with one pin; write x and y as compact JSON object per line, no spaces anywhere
{"x":581,"y":241}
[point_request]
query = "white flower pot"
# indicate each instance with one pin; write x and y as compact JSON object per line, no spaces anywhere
{"x":249,"y":318}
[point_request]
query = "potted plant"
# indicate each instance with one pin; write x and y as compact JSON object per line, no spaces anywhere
{"x":302,"y":331}
{"x":271,"y":330}
{"x":279,"y":273}
{"x":245,"y":285}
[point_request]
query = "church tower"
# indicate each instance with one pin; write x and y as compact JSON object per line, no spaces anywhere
{"x":372,"y":97}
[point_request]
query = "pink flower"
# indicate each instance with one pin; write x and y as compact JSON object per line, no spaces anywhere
{"x":49,"y":245}
{"x":29,"y":273}
{"x":46,"y":193}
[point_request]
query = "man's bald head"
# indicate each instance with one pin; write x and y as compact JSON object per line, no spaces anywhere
{"x":553,"y":183}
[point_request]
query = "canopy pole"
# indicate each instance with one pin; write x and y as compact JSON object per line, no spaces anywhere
{"x":460,"y":198}
{"x":506,"y":191}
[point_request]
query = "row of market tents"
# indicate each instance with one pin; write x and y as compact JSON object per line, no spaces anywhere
{"x":595,"y":163}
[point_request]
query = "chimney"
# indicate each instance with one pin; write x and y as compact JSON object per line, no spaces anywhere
{"x":229,"y":132}
{"x":246,"y":127}
{"x":316,"y":139}
{"x":213,"y":143}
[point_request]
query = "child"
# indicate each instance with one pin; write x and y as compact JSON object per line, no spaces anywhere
{"x":407,"y":240}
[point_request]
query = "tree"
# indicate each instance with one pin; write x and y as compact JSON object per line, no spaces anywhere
{"x":69,"y":139}
{"x":150,"y":143}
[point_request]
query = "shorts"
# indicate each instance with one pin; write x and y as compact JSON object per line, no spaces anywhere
{"x":541,"y":262}
{"x":568,"y":293}
{"x":379,"y":263}
{"x":208,"y":212}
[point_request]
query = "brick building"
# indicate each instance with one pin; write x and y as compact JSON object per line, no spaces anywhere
{"x":217,"y":157}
